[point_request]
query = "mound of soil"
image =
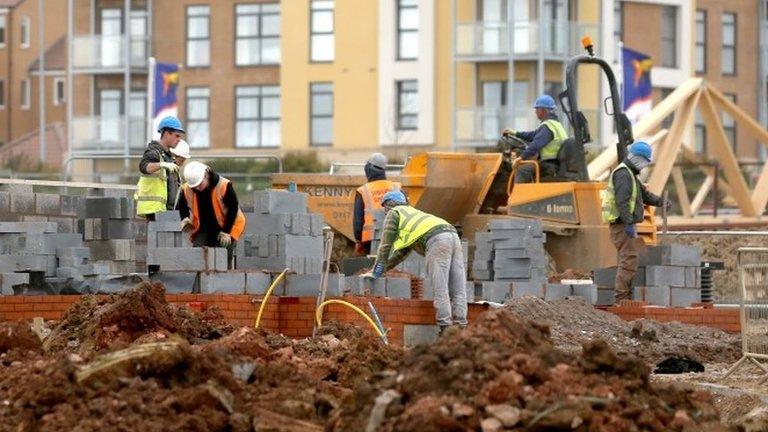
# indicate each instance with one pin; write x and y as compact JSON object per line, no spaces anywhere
{"x":17,"y":340}
{"x":573,"y":321}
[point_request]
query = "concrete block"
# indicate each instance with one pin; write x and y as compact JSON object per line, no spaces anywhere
{"x":177,"y":282}
{"x":273,"y":201}
{"x":556,"y":291}
{"x":301,"y":285}
{"x":108,"y":207}
{"x":604,"y":277}
{"x":256,"y":282}
{"x":683,"y":297}
{"x":69,"y":273}
{"x":5,"y":201}
{"x":64,"y":225}
{"x":169,"y":226}
{"x":483,"y":275}
{"x":471,"y":291}
{"x":28,"y":227}
{"x":522,"y":289}
{"x":512,"y":273}
{"x":230,"y":282}
{"x":115,"y":250}
{"x":95,"y":268}
{"x":48,"y":204}
{"x":165,"y":239}
{"x":536,"y":253}
{"x":605,"y":296}
{"x":515,"y":243}
{"x":511,"y":223}
{"x":693,"y":277}
{"x":34,"y":218}
{"x":665,"y":276}
{"x":108,"y":229}
{"x":419,"y":334}
{"x":72,"y":205}
{"x":10,"y":280}
{"x":121,"y":267}
{"x":168,"y":216}
{"x":518,"y":263}
{"x":21,"y":263}
{"x":316,"y":224}
{"x":586,"y":291}
{"x":22,"y":203}
{"x":497,"y":292}
{"x":399,"y":287}
{"x":177,"y":259}
{"x":655,"y":295}
{"x":352,"y":265}
{"x":671,"y":255}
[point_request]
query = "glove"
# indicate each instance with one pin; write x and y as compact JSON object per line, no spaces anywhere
{"x":225,"y":239}
{"x":508,"y":131}
{"x":378,"y":270}
{"x":186,"y":224}
{"x":359,"y":249}
{"x":368,"y":275}
{"x":170,"y":166}
{"x":630,"y":230}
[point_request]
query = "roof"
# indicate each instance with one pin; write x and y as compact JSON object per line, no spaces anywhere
{"x":55,"y":57}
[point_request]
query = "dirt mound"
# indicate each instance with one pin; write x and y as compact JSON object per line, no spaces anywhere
{"x":93,"y":325}
{"x":505,"y":373}
{"x":573,"y":321}
{"x":568,"y":274}
{"x":16,"y":340}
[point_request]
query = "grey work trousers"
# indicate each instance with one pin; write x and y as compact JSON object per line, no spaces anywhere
{"x":448,"y":277}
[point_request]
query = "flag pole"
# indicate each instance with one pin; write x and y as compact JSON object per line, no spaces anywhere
{"x":151,"y":98}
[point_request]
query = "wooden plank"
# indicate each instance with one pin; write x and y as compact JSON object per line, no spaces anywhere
{"x":607,"y":159}
{"x":723,"y":152}
{"x":701,"y":195}
{"x":682,"y":192}
{"x":666,"y":153}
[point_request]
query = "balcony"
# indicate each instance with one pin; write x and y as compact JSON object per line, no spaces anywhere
{"x":489,"y":40}
{"x":106,"y":54}
{"x":105,"y":135}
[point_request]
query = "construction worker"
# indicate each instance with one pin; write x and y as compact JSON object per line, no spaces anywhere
{"x":368,"y":201}
{"x":209,"y":209}
{"x":543,"y":143}
{"x":406,"y":229}
{"x":623,"y":201}
{"x":159,"y":180}
{"x":180,"y":157}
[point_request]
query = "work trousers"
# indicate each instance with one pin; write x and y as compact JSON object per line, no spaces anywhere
{"x":448,"y":277}
{"x":627,"y":248}
{"x":526,"y":173}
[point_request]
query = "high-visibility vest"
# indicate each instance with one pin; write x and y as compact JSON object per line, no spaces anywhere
{"x":559,"y":135}
{"x":152,"y":192}
{"x":371,"y":193}
{"x":610,"y":209}
{"x":219,"y":209}
{"x":413,"y":224}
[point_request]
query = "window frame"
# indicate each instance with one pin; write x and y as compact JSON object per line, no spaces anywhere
{"x":55,"y":99}
{"x":400,"y":31}
{"x":188,"y":38}
{"x":312,"y":33}
{"x":2,"y":94}
{"x":703,"y":43}
{"x":3,"y":29}
{"x":723,"y":46}
{"x":260,"y":37}
{"x":26,"y":32}
{"x":400,"y":115}
{"x":190,"y":121}
{"x":26,"y":94}
{"x":260,"y":117}
{"x":313,"y":115}
{"x":675,"y":38}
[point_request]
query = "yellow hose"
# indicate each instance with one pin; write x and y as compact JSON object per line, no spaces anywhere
{"x":319,"y":314}
{"x":266,"y":296}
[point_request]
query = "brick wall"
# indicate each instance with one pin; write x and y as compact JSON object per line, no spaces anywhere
{"x":724,"y":319}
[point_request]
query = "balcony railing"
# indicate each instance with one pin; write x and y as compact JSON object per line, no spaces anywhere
{"x":99,"y":52}
{"x":107,"y":134}
{"x":490,"y":39}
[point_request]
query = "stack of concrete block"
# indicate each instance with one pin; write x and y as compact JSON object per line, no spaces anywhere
{"x":281,"y":234}
{"x":108,"y":231}
{"x":667,"y":275}
{"x":19,"y":203}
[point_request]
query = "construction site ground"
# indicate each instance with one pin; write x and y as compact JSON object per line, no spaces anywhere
{"x":134,"y":362}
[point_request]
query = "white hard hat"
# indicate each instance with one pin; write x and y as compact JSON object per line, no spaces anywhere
{"x":181,"y":149}
{"x":194,"y":173}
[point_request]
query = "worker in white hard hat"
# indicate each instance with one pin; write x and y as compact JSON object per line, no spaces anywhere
{"x":368,"y":201}
{"x":180,"y":155}
{"x":209,"y":209}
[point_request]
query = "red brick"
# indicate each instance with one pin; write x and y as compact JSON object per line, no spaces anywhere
{"x":14,"y":299}
{"x":24,"y":307}
{"x":42,"y":307}
{"x":13,"y":316}
{"x":33,"y":299}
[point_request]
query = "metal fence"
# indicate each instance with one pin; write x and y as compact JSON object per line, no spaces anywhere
{"x":752,"y":263}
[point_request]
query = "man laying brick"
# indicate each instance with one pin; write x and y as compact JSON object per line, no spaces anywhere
{"x":406,"y":229}
{"x":209,"y":209}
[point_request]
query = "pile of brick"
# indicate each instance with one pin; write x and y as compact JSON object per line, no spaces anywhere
{"x":668,"y":275}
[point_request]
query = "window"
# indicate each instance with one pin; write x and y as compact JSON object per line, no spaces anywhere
{"x":198,"y":36}
{"x":407,"y":105}
{"x":618,"y":25}
{"x":198,"y":117}
{"x":59,"y":94}
{"x":494,"y":108}
{"x":138,"y":42}
{"x":26,"y":96}
{"x":701,"y":41}
{"x":2,"y":94}
{"x":729,"y":124}
{"x":728,"y":52}
{"x":257,"y":31}
{"x":321,"y":28}
{"x":2,"y":30}
{"x":25,"y":23}
{"x":669,"y":36}
{"x":407,"y":29}
{"x":321,"y":113}
{"x":258,"y":116}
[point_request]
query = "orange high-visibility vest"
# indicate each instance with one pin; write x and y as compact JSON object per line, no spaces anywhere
{"x":219,"y":209}
{"x":371,"y":193}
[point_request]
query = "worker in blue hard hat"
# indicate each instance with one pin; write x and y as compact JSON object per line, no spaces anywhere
{"x":623,"y":200}
{"x":406,"y":229}
{"x":159,"y":181}
{"x":543,"y":143}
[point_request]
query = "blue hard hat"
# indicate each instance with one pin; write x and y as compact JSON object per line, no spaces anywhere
{"x":395,"y":196}
{"x":641,"y":148}
{"x":544,"y":101}
{"x":170,"y":122}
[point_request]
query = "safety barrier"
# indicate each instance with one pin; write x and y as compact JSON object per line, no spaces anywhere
{"x":752,"y":264}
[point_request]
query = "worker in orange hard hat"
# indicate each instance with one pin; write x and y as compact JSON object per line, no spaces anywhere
{"x":368,"y":201}
{"x":210,"y":210}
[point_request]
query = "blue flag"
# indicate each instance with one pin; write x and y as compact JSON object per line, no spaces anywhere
{"x":637,"y":84}
{"x":165,"y":102}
